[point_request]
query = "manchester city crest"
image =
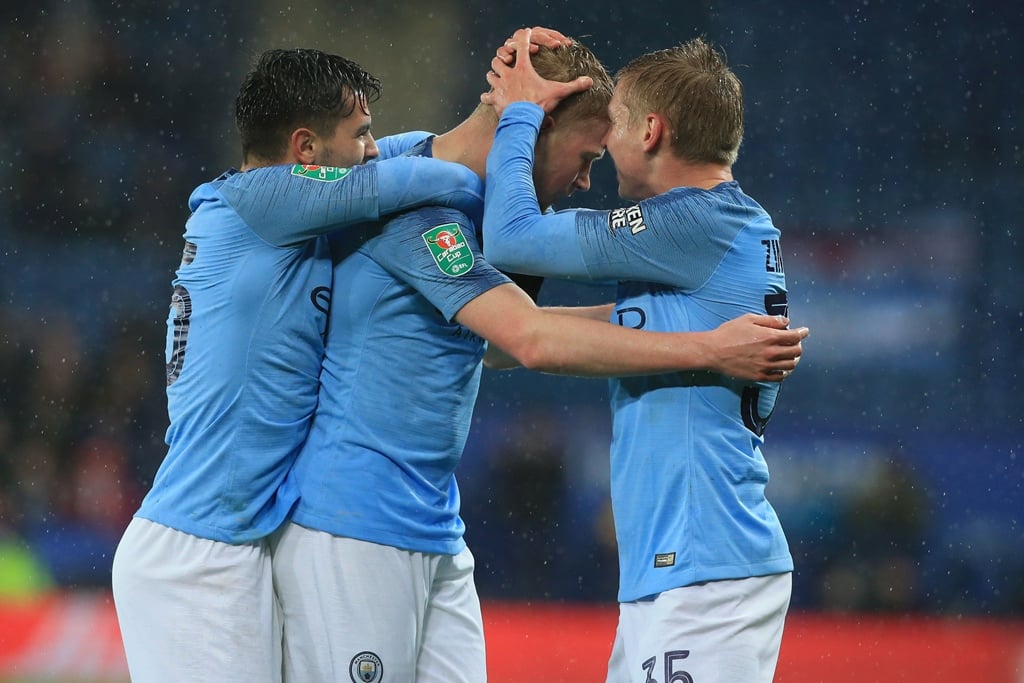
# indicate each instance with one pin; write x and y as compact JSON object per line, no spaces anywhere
{"x":366,"y":667}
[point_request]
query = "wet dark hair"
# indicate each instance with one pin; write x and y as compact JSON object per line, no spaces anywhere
{"x":288,"y":89}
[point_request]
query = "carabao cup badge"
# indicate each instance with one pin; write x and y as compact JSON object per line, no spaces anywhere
{"x":448,"y":246}
{"x":323,"y":174}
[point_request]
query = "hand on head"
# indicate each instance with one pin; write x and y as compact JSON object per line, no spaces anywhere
{"x":513,"y":78}
{"x":539,"y":37}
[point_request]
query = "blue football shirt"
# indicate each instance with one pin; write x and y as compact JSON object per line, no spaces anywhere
{"x":399,"y":381}
{"x":688,"y":476}
{"x":245,"y":332}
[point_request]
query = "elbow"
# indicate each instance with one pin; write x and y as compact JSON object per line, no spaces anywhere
{"x":534,"y":355}
{"x":503,"y":363}
{"x":493,"y":252}
{"x":503,"y":259}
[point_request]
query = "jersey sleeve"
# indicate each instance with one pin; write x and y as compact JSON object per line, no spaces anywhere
{"x":664,"y":240}
{"x":396,"y":145}
{"x":518,"y":238}
{"x":436,"y":252}
{"x":674,"y":239}
{"x":286,"y":205}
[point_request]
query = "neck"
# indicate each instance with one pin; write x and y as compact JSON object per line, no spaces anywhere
{"x":675,"y":172}
{"x":470,"y":141}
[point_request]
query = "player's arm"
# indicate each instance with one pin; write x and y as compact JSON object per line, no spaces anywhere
{"x":435,"y":251}
{"x":655,"y":240}
{"x":640,"y":242}
{"x":287,"y":205}
{"x":496,"y":359}
{"x":562,"y":344}
{"x":602,"y":312}
{"x":517,"y":236}
{"x":400,"y":143}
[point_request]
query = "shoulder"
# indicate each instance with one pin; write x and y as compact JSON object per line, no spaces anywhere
{"x":429,"y":218}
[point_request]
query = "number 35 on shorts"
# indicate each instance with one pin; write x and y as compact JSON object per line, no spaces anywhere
{"x":673,"y":668}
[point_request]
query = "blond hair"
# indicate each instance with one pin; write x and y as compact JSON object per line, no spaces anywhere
{"x":566,"y":63}
{"x":693,"y":88}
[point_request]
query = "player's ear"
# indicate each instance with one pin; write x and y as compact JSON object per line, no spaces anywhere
{"x":654,"y":130}
{"x":302,"y":146}
{"x":548,"y":123}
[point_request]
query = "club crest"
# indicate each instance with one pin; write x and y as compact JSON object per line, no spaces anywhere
{"x":366,"y":667}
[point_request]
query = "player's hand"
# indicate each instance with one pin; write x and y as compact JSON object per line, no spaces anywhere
{"x":520,"y":82}
{"x":757,"y":347}
{"x":539,"y":37}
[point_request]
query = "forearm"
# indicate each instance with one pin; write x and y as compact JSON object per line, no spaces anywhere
{"x":574,"y":345}
{"x":752,"y":347}
{"x":408,"y":182}
{"x":601,"y":313}
{"x":400,"y":143}
{"x":497,"y":359}
{"x":518,"y":236}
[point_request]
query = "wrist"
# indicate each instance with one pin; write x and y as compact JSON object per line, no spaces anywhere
{"x":705,"y":352}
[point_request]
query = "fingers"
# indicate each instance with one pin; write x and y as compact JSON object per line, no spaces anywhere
{"x":534,"y":39}
{"x":548,"y":37}
{"x":785,"y":336}
{"x":579,"y":85}
{"x":789,"y":353}
{"x":499,"y":66}
{"x":521,"y":38}
{"x":778,"y":322}
{"x":506,"y":53}
{"x":778,"y":374}
{"x":794,"y":336}
{"x":492,"y":79}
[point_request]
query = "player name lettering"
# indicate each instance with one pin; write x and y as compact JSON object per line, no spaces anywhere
{"x":773,"y":256}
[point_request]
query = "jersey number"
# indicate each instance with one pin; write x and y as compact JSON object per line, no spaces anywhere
{"x":774,"y":304}
{"x":672,"y":675}
{"x":181,"y":305}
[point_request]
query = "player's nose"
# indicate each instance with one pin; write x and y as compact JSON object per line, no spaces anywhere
{"x":371,"y":151}
{"x":582,"y":182}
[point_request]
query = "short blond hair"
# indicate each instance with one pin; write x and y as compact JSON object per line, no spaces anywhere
{"x":693,"y":88}
{"x":568,"y":62}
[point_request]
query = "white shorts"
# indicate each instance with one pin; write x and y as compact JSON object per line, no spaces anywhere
{"x":192,"y":609}
{"x":364,"y":612}
{"x":714,"y":632}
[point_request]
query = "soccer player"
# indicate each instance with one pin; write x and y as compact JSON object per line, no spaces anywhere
{"x":373,"y":575}
{"x":705,"y":570}
{"x":191,"y":575}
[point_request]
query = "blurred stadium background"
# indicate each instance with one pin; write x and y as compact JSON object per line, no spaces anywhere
{"x":885,"y":139}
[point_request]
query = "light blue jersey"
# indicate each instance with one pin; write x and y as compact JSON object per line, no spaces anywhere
{"x":398,"y":386}
{"x":246,"y":327}
{"x":687,"y":474}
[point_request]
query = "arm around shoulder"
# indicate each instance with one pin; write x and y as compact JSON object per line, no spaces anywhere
{"x":551,"y":342}
{"x":408,"y":182}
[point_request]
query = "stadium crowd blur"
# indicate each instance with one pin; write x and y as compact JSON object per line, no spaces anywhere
{"x":883,"y":141}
